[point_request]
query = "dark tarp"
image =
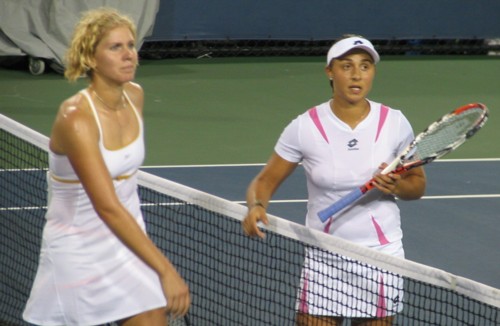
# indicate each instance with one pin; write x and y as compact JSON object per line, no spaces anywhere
{"x":41,"y":29}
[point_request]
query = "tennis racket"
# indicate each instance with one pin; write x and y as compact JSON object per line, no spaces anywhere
{"x":440,"y":138}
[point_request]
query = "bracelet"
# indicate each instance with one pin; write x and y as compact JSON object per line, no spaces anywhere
{"x":257,"y":203}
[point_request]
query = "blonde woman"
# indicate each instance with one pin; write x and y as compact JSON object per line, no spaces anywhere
{"x":97,"y":264}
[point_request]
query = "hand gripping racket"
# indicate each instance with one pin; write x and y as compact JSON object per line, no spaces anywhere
{"x":440,"y":138}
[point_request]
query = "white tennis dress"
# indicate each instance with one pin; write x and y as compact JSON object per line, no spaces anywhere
{"x":86,"y":276}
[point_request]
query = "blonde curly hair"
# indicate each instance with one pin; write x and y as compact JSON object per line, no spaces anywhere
{"x":89,"y":31}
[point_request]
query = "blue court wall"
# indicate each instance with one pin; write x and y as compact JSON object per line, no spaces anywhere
{"x":325,"y":19}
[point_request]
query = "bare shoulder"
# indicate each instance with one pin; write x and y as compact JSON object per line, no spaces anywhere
{"x":74,"y":120}
{"x":133,"y":88}
{"x":73,"y":109}
{"x":136,"y":94}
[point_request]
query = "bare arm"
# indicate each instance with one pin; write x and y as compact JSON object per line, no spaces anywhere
{"x":260,"y":191}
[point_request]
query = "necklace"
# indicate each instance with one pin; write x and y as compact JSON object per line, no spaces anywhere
{"x":363,"y":116}
{"x":348,"y":118}
{"x":116,"y":108}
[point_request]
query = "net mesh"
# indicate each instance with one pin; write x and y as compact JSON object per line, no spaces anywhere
{"x":234,"y":280}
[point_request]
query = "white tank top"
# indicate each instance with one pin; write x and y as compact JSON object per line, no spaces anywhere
{"x":121,"y":163}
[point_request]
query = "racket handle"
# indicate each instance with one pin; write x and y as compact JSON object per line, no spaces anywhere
{"x":340,"y":204}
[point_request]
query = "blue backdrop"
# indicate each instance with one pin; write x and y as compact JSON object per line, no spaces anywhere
{"x":326,"y":19}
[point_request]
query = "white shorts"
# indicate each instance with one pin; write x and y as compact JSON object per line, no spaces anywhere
{"x":334,"y":285}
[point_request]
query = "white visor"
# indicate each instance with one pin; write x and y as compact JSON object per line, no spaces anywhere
{"x":343,"y":46}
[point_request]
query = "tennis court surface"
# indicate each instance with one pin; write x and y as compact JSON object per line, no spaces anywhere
{"x":234,"y":280}
{"x":206,"y":122}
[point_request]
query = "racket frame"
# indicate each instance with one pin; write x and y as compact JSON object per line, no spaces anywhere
{"x":404,"y":162}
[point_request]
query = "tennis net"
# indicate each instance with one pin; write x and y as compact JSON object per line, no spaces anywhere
{"x":234,"y":279}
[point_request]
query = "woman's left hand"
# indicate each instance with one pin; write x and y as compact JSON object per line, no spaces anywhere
{"x":387,"y":183}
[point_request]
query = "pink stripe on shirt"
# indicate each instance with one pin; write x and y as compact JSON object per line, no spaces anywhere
{"x":313,"y":113}
{"x":303,"y":306}
{"x":381,"y":305}
{"x":384,"y":110}
{"x":381,"y":236}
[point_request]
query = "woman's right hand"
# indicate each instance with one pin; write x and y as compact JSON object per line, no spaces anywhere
{"x":255,"y":214}
{"x":261,"y":190}
{"x":177,"y":293}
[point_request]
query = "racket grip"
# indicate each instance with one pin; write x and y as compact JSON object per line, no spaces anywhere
{"x":340,"y":204}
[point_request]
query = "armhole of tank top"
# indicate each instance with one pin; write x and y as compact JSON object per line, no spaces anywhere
{"x":137,"y":115}
{"x":94,"y":112}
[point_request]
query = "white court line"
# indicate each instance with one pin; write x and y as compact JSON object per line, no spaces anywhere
{"x":303,"y":200}
{"x":200,"y":166}
{"x":462,"y":196}
{"x":277,"y":201}
{"x":262,"y":164}
{"x":27,"y":208}
{"x":284,"y":201}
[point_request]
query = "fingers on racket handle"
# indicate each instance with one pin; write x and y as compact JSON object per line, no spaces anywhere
{"x":340,"y":204}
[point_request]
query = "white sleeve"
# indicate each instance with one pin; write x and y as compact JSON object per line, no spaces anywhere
{"x":288,"y":145}
{"x":405,"y":132}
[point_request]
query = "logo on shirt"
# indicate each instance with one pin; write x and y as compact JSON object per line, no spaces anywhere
{"x":352,"y":144}
{"x":396,"y":302}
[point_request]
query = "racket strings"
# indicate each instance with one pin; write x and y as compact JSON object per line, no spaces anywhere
{"x":446,"y":134}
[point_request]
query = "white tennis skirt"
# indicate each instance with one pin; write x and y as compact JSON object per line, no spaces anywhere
{"x":334,"y":285}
